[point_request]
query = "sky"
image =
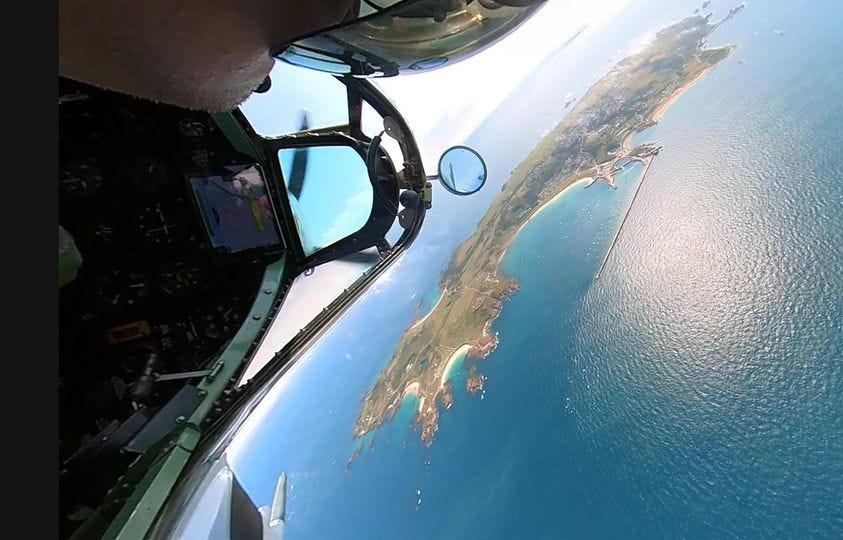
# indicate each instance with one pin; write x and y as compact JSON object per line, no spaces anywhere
{"x":442,"y":107}
{"x":445,"y":106}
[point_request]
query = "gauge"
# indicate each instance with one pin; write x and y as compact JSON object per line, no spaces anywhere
{"x":149,"y":175}
{"x":192,"y":128}
{"x":104,"y":233}
{"x":211,"y":328}
{"x":80,"y":179}
{"x":116,"y":291}
{"x":106,"y":294}
{"x":201,"y":158}
{"x":173,"y":336}
{"x":217,"y":323}
{"x":161,"y":226}
{"x":181,"y":277}
{"x":99,"y":233}
{"x":182,"y":336}
{"x":137,"y":288}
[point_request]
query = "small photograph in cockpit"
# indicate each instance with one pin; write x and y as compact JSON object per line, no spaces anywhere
{"x":236,"y":208}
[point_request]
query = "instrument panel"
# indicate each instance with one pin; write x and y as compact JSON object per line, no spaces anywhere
{"x":175,"y":228}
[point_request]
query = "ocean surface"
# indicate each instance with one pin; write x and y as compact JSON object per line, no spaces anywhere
{"x":695,"y":390}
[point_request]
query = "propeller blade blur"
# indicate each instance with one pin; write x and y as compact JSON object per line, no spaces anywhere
{"x":299,"y":167}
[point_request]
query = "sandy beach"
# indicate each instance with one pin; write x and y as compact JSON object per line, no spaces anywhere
{"x":418,"y":322}
{"x":658,"y":113}
{"x":537,"y":211}
{"x":459,"y":353}
{"x":411,"y":388}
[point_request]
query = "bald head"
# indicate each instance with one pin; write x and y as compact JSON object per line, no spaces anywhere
{"x":199,"y":54}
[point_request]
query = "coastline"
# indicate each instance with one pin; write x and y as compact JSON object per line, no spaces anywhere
{"x":457,"y":355}
{"x":481,"y":256}
{"x":413,"y":389}
{"x":420,"y":321}
{"x":544,"y":206}
{"x":625,"y":144}
{"x":659,"y":112}
{"x":585,"y":180}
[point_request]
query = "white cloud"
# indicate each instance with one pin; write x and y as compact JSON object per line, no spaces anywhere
{"x":354,"y":215}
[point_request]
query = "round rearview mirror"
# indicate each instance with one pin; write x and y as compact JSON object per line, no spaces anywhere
{"x":461,"y":170}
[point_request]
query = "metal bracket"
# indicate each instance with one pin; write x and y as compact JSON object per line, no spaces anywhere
{"x":427,"y":195}
{"x":170,"y":417}
{"x":412,"y":175}
{"x":183,"y":375}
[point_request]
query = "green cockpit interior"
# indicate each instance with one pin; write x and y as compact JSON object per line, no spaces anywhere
{"x":169,"y":232}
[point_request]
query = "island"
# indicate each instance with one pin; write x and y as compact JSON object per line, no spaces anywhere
{"x":475,"y":381}
{"x":587,"y":146}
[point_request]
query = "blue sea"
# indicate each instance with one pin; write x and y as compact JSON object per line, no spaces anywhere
{"x":695,"y":390}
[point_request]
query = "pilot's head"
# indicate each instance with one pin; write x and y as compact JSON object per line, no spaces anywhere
{"x":200,"y":54}
{"x":211,"y":54}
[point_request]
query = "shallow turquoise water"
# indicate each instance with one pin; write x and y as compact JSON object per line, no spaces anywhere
{"x":694,"y":390}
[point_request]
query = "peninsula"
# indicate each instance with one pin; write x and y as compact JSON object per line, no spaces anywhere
{"x":588,"y":145}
